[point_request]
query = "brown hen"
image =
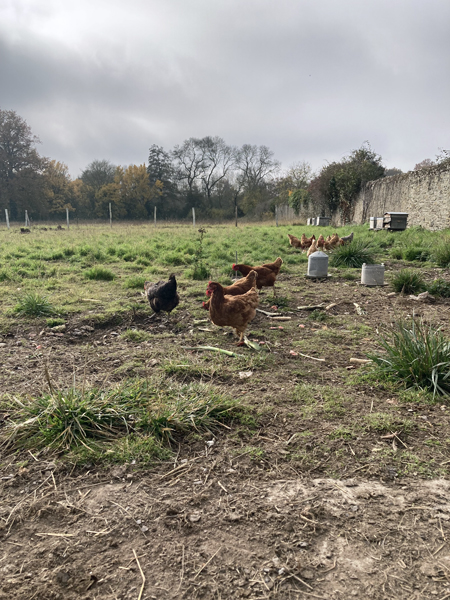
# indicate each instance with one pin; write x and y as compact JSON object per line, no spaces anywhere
{"x":232,"y":311}
{"x":267,"y":273}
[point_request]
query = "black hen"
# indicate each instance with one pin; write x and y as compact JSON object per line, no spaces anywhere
{"x":162,"y":295}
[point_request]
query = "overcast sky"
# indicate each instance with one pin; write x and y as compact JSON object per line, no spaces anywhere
{"x":310,"y":79}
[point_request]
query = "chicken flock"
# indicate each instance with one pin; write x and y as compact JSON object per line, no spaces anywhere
{"x":235,"y":305}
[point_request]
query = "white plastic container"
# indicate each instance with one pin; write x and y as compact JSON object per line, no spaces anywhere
{"x":372,"y":274}
{"x":318,"y":264}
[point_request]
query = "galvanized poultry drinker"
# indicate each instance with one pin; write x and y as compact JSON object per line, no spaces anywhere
{"x":318,"y":265}
{"x":372,"y":275}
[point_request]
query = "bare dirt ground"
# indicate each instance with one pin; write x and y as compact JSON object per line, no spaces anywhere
{"x":310,"y":503}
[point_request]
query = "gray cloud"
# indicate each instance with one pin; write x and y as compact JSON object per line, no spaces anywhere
{"x":311,"y":79}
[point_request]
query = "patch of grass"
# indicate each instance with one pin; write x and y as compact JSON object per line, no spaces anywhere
{"x":349,"y":276}
{"x":353,"y":255}
{"x":55,"y":322}
{"x":142,"y":450}
{"x":341,"y":433}
{"x":396,"y":253}
{"x":417,"y":356}
{"x":412,"y":253}
{"x":441,"y":254}
{"x":134,"y":282}
{"x":318,"y":315}
{"x":66,"y":419}
{"x":255,"y":453}
{"x":439,"y":287}
{"x":32,"y":304}
{"x":186,"y":370}
{"x":99,"y":274}
{"x":5,"y":275}
{"x":73,"y":419}
{"x":200,"y":272}
{"x":136,"y":335}
{"x":388,"y":422}
{"x":408,"y":282}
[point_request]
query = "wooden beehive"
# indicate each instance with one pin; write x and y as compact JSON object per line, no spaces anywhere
{"x":395,"y":221}
{"x":323,"y":221}
{"x":376,"y":223}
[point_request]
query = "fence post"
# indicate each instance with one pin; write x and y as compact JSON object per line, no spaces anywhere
{"x":236,"y":214}
{"x":154,"y":216}
{"x":193,"y":217}
{"x":7,"y":217}
{"x":67,"y":218}
{"x":110,"y":215}
{"x":27,"y":220}
{"x":276,"y":214}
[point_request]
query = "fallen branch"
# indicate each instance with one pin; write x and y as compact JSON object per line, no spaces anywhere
{"x":313,"y":307}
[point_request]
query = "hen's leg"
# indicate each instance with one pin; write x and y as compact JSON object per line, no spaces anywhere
{"x":241,"y":339}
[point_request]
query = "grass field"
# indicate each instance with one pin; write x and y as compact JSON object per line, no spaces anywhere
{"x":94,"y":385}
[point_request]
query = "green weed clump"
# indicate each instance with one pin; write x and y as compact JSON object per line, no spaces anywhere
{"x":134,"y":282}
{"x":441,"y":254}
{"x":353,"y":255}
{"x":5,"y":275}
{"x":55,"y":322}
{"x":412,"y":253}
{"x":407,"y":281}
{"x":397,"y":253}
{"x":136,"y":335}
{"x":74,"y":419}
{"x":440,"y":287}
{"x":99,"y":274}
{"x":32,"y":304}
{"x":417,"y":356}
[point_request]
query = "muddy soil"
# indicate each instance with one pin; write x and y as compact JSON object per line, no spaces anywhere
{"x":291,"y":509}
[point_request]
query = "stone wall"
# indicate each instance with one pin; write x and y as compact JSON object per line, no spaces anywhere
{"x":424,"y":194}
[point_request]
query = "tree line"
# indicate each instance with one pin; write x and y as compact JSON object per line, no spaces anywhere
{"x":217,"y":179}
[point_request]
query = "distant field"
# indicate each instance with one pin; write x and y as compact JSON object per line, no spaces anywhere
{"x":56,"y":262}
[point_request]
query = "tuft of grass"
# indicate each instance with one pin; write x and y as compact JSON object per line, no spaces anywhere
{"x":68,"y":419}
{"x":416,"y":355}
{"x":407,"y":281}
{"x":32,"y":304}
{"x":136,"y":335}
{"x":440,"y":287}
{"x":74,"y":419}
{"x":414,"y":253}
{"x":397,"y":253}
{"x":5,"y":275}
{"x":353,"y":255}
{"x":134,"y":282}
{"x":200,"y":272}
{"x":318,"y":315}
{"x":387,"y":422}
{"x":99,"y":274}
{"x":55,"y":322}
{"x":441,"y":254}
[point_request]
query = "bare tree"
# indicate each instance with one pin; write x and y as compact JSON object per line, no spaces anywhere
{"x":190,"y":162}
{"x":219,"y":159}
{"x":256,"y":164}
